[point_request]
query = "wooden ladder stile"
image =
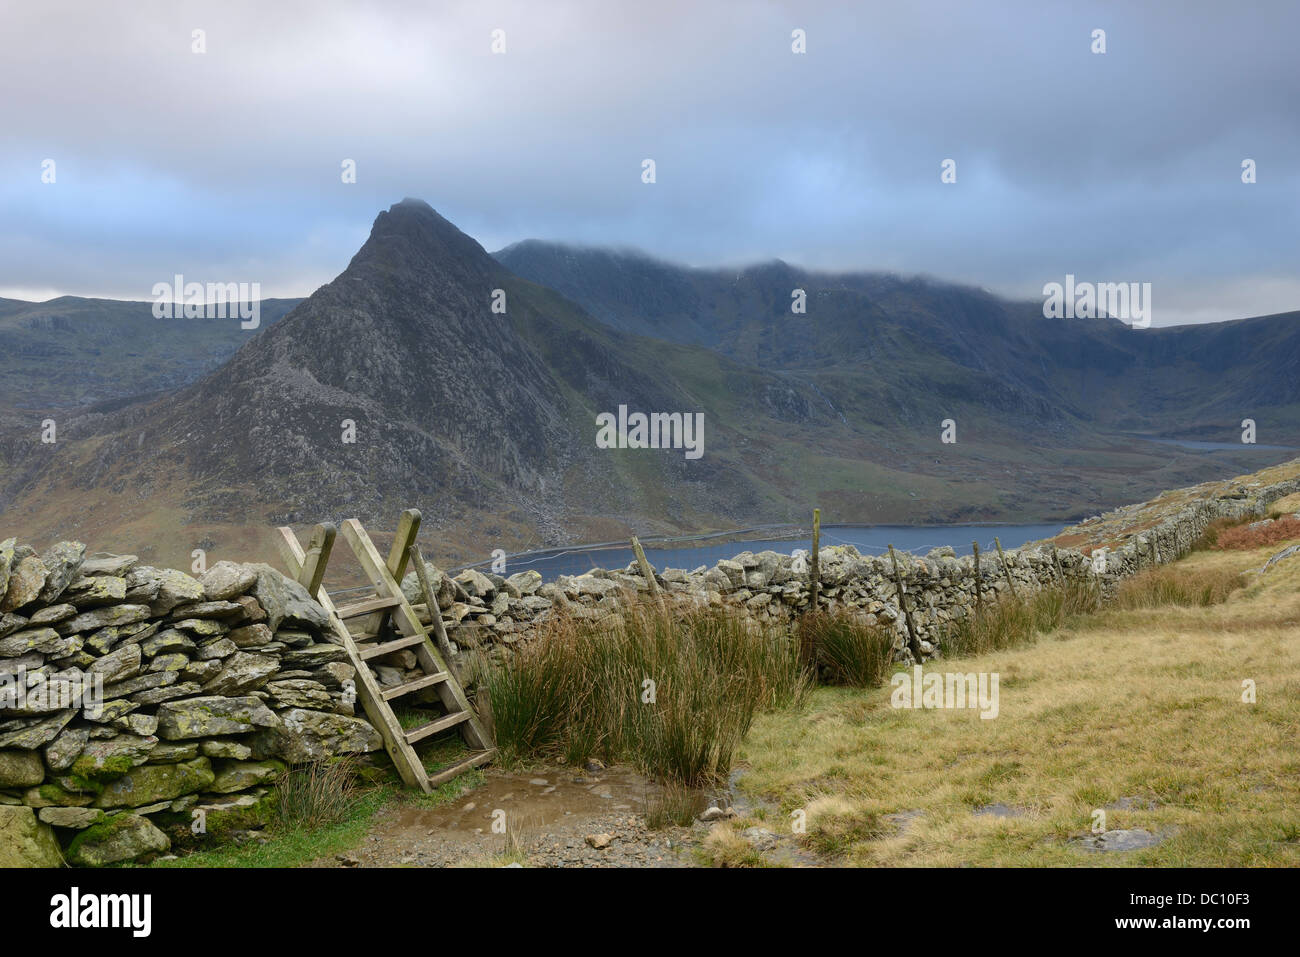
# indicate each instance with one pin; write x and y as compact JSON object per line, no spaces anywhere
{"x":388,"y":601}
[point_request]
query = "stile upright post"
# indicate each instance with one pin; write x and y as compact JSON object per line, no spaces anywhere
{"x":913,"y":642}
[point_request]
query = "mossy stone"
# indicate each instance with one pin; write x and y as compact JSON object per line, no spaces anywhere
{"x":151,"y":783}
{"x":122,"y":837}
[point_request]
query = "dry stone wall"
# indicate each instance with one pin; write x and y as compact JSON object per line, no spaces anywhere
{"x":141,"y":706}
{"x":494,"y":612}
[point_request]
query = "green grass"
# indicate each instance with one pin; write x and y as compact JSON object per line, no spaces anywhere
{"x":294,"y":846}
{"x":301,"y":842}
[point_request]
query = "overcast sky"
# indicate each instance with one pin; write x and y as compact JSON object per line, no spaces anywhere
{"x":225,"y":165}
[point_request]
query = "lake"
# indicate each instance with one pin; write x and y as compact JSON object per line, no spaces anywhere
{"x":1219,"y":446}
{"x":867,"y":539}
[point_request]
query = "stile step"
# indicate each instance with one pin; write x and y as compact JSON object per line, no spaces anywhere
{"x":357,"y":609}
{"x":374,"y":651}
{"x":460,"y":767}
{"x":416,"y":684}
{"x":433,"y":727}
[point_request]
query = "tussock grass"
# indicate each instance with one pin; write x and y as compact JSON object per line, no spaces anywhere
{"x":1173,"y":585}
{"x":845,"y":649}
{"x":1013,"y":623}
{"x":724,"y":846}
{"x":673,"y":692}
{"x":835,"y":825}
{"x":317,"y":795}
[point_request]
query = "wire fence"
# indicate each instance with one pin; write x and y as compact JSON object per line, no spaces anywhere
{"x":677,"y":551}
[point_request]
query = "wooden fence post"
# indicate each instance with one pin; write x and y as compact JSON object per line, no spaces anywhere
{"x":979,"y":598}
{"x":646,"y":571}
{"x":1056,"y":562}
{"x":815,"y":568}
{"x":1006,"y":572}
{"x":913,"y":642}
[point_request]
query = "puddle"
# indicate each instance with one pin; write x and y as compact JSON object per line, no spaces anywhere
{"x":557,"y":817}
{"x":532,"y":803}
{"x":1128,"y":840}
{"x":779,"y":848}
{"x":733,"y":796}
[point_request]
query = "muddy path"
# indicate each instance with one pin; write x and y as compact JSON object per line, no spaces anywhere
{"x":550,"y":817}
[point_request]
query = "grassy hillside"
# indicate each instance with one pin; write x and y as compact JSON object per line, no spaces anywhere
{"x":1135,"y":712}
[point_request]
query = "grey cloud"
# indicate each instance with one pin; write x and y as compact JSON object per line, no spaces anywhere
{"x":1122,"y":166}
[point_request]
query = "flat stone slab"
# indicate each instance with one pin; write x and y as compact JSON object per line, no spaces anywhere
{"x":999,"y":810}
{"x":1133,"y":839}
{"x":1133,"y":804}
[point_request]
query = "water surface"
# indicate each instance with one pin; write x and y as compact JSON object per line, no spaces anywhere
{"x":868,"y":539}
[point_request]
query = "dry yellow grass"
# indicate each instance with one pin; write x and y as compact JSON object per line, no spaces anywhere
{"x":724,"y":846}
{"x":1290,"y":504}
{"x":1144,"y":705}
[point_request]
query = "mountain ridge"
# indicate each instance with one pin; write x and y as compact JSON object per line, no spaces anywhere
{"x":486,"y":421}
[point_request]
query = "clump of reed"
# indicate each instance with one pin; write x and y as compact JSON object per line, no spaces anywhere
{"x":671,"y":691}
{"x":845,"y":649}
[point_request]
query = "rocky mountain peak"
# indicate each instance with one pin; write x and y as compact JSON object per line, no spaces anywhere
{"x":411,"y":240}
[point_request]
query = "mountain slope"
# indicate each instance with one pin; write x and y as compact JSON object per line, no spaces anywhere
{"x":915,"y":335}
